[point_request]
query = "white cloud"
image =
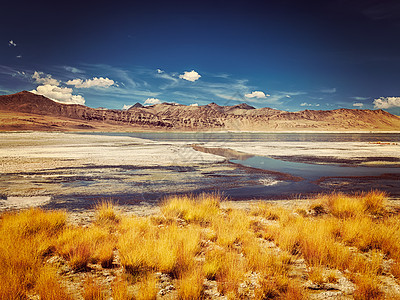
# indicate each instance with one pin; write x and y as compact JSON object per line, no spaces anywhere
{"x":59,"y":94}
{"x":73,"y":69}
{"x":126,"y":107}
{"x":152,"y":101}
{"x":317,"y":104}
{"x":45,"y":80}
{"x":190,"y":76}
{"x":288,"y":96}
{"x":305,"y":104}
{"x":387,"y":102}
{"x":194,"y":104}
{"x":89,"y":83}
{"x":358,"y":104}
{"x":159,"y":71}
{"x":256,"y":94}
{"x":12,"y":43}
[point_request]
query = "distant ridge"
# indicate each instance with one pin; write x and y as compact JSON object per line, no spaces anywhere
{"x":181,"y":117}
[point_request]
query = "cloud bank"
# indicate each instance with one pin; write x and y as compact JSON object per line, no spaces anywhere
{"x":152,"y":101}
{"x":89,"y":83}
{"x":386,"y":102}
{"x":59,"y":94}
{"x":190,"y":76}
{"x":41,"y":78}
{"x":256,"y":94}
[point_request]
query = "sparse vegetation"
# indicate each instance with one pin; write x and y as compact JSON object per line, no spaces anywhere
{"x":196,"y":243}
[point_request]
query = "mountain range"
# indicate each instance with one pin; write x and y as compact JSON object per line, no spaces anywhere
{"x":28,"y":111}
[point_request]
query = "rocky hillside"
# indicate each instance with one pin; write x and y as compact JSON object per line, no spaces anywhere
{"x":181,"y":117}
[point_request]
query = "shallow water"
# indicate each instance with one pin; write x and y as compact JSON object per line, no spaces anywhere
{"x":313,"y":171}
{"x":204,"y":137}
{"x":331,"y":176}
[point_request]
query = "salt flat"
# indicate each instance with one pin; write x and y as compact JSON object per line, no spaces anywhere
{"x":31,"y":151}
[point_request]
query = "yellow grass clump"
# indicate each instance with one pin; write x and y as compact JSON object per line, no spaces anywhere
{"x":25,"y":238}
{"x":106,"y":213}
{"x":92,"y":290}
{"x":201,"y":209}
{"x":195,"y":244}
{"x":167,"y":249}
{"x":83,"y":245}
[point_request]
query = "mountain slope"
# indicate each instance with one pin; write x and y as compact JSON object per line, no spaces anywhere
{"x":180,"y":117}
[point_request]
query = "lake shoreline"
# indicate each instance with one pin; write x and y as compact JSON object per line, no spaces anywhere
{"x":76,"y":169}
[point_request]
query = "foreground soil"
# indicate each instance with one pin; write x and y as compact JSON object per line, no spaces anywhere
{"x":330,"y":247}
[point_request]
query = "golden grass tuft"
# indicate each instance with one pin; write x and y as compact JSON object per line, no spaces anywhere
{"x":92,"y":290}
{"x":345,"y":206}
{"x":231,"y":228}
{"x":48,"y":286}
{"x":191,"y":284}
{"x":25,"y":238}
{"x":198,"y":209}
{"x":146,"y":288}
{"x":367,"y":288}
{"x":83,"y":245}
{"x":106,"y":213}
{"x":119,"y":290}
{"x":167,"y":249}
{"x":316,"y":275}
{"x":231,"y":272}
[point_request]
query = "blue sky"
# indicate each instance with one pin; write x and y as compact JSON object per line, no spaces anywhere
{"x":291,"y":55}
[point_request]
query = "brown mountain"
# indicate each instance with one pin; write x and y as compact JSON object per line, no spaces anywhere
{"x":27,"y":111}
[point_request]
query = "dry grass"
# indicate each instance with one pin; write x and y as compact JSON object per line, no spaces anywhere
{"x":92,"y":290}
{"x":368,"y":288}
{"x":191,"y":284}
{"x":146,"y":288}
{"x":344,"y":206}
{"x":83,"y":245}
{"x":25,"y":238}
{"x":48,"y":286}
{"x":166,"y":249}
{"x":201,"y":209}
{"x":106,"y":213}
{"x":195,"y":241}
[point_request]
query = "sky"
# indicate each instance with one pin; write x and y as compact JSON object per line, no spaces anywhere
{"x":289,"y":55}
